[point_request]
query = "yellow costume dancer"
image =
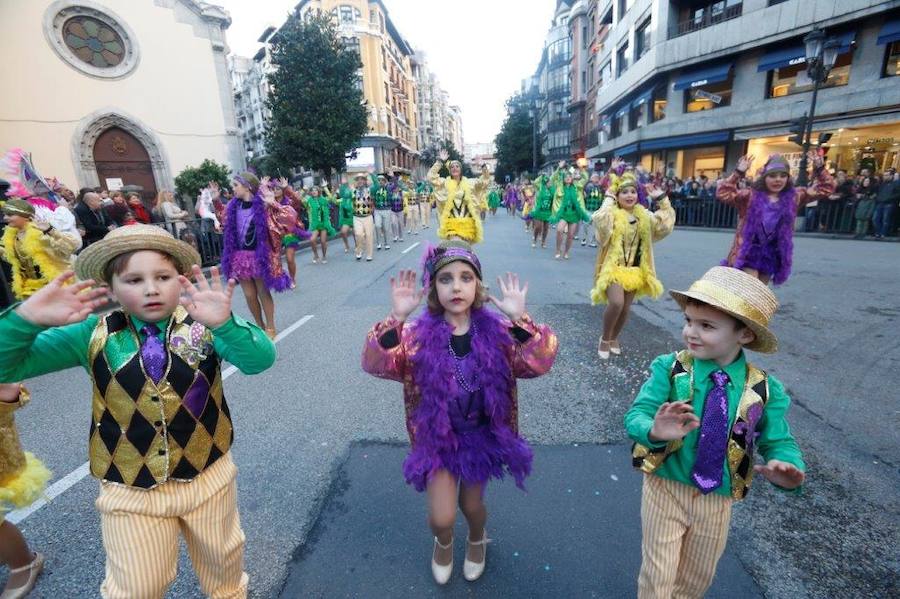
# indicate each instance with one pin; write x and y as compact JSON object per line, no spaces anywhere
{"x":626,"y":240}
{"x":36,"y":253}
{"x":460,"y":201}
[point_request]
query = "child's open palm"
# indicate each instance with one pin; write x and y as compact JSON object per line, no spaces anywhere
{"x":57,"y":304}
{"x":208,"y":304}
{"x":782,"y":474}
{"x":405,"y":295}
{"x":673,"y":421}
{"x":512,"y":301}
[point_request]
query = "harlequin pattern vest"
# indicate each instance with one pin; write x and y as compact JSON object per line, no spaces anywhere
{"x":743,"y":432}
{"x":144,"y":434}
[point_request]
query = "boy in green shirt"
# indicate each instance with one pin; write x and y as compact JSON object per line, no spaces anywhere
{"x":696,"y":422}
{"x":161,"y":430}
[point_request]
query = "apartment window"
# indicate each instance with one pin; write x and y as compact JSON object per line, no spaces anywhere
{"x":892,"y":60}
{"x":584,"y":37}
{"x":351,"y":43}
{"x":624,"y":5}
{"x":641,"y":40}
{"x":659,"y":105}
{"x":622,"y":59}
{"x":615,"y":127}
{"x":793,"y":79}
{"x":637,"y":116}
{"x":387,"y":94}
{"x":605,"y":74}
{"x":583,"y":81}
{"x":384,"y":61}
{"x":346,"y":14}
{"x":708,"y":97}
{"x":373,"y":17}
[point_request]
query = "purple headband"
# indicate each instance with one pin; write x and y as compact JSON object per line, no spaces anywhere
{"x":436,"y":258}
{"x":775,"y":164}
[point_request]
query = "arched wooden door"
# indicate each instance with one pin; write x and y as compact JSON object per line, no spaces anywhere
{"x":119,"y":155}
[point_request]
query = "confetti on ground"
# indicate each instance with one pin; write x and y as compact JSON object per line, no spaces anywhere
{"x":515,"y":554}
{"x":568,"y":490}
{"x":547,"y":567}
{"x":596,"y":492}
{"x":614,"y":477}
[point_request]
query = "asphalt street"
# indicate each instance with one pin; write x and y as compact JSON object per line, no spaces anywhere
{"x":301,"y":425}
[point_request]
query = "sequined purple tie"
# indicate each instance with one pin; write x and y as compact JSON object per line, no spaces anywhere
{"x":153,"y":353}
{"x":707,"y":472}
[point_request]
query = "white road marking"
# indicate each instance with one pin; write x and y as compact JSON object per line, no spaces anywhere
{"x":74,"y":477}
{"x":411,"y":248}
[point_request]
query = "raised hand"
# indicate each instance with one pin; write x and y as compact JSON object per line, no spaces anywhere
{"x":282,"y":182}
{"x":673,"y":421}
{"x":512,"y":301}
{"x":443,"y":155}
{"x":210,"y":305}
{"x":815,"y":158}
{"x":745,"y":162}
{"x":57,"y":304}
{"x":405,"y":295}
{"x":782,"y":474}
{"x":616,"y":163}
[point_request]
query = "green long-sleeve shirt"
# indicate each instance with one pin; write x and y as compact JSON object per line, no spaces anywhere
{"x":28,"y":350}
{"x":774,"y":442}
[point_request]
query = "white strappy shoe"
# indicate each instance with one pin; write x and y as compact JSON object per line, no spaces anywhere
{"x":33,"y":570}
{"x":441,"y":573}
{"x":473,"y":570}
{"x":601,"y":352}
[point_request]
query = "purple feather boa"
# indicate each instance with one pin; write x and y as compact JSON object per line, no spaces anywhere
{"x":263,"y":250}
{"x":491,"y":455}
{"x":771,"y":257}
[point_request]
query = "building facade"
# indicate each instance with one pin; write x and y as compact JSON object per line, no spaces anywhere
{"x":250,"y":86}
{"x":79,"y":75}
{"x":386,"y":79}
{"x":438,"y":120}
{"x":552,"y":79}
{"x":688,"y":87}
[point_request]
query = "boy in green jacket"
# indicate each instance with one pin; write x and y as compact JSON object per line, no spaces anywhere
{"x":696,"y":423}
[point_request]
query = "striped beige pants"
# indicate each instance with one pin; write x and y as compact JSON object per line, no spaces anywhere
{"x":141,"y":530}
{"x":683,"y":536}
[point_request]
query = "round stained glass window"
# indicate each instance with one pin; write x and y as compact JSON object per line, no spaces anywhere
{"x":91,"y":38}
{"x":93,"y":42}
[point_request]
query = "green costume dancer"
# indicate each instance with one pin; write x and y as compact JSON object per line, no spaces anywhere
{"x":542,"y":210}
{"x":319,"y":208}
{"x":344,"y":201}
{"x":568,"y":207}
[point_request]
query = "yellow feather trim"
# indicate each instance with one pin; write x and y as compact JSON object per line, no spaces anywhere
{"x":26,"y":486}
{"x":470,"y":229}
{"x":639,"y":279}
{"x":33,"y":245}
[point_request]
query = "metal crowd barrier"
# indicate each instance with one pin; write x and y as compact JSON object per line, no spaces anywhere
{"x":200,"y":234}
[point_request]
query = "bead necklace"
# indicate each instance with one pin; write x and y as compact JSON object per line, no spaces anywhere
{"x":474,"y":386}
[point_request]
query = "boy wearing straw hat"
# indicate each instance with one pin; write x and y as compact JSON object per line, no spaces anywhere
{"x":161,"y":430}
{"x":696,"y":423}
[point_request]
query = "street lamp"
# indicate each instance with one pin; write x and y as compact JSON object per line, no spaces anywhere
{"x":821,"y":54}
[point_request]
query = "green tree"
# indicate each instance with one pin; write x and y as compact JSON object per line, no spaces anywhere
{"x":514,"y":142}
{"x":430,"y":156}
{"x":317,"y":111}
{"x":191,"y":180}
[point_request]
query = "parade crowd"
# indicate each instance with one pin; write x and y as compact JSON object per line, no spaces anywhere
{"x":161,"y":430}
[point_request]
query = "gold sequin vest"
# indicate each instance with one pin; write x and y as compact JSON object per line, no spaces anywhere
{"x":144,"y":434}
{"x":743,"y":432}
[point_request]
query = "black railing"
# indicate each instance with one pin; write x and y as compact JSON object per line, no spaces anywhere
{"x":712,"y":14}
{"x":828,"y":216}
{"x":201,"y":234}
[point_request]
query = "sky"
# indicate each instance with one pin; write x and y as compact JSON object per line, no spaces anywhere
{"x":480,"y":50}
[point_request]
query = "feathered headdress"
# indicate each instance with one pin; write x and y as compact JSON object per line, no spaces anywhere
{"x":617,"y":182}
{"x":24,"y":180}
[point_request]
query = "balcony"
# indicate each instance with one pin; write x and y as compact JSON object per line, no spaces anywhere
{"x":555,"y":93}
{"x":707,"y":16}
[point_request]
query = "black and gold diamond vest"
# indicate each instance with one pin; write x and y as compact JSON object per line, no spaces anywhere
{"x":743,"y":432}
{"x":143,"y":434}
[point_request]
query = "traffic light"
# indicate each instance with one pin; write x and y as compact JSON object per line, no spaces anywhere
{"x":798,"y":128}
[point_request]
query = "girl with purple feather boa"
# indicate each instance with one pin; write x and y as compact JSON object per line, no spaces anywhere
{"x":764,"y":242}
{"x":458,"y":363}
{"x":251,"y":252}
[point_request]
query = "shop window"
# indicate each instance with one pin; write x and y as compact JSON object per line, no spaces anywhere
{"x":708,"y":97}
{"x":615,"y":127}
{"x":637,"y":117}
{"x":659,"y":105}
{"x":892,"y":60}
{"x":622,"y":59}
{"x":641,"y":40}
{"x":794,"y":80}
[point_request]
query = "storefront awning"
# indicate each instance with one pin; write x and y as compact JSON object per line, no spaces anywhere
{"x":785,"y":57}
{"x":890,"y":32}
{"x":642,"y":99}
{"x":623,"y":110}
{"x":709,"y":74}
{"x":684,"y":141}
{"x":625,"y":151}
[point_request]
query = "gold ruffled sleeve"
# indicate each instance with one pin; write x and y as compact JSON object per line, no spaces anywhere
{"x":59,"y":244}
{"x":535,"y":356}
{"x":437,"y":184}
{"x":663,"y":220}
{"x":727,"y":191}
{"x":602,"y":220}
{"x":386,"y":363}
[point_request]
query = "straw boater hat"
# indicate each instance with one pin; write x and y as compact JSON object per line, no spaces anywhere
{"x":91,"y":263}
{"x":740,"y":295}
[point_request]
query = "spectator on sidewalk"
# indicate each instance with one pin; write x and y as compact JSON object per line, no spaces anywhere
{"x":865,"y":206}
{"x":173,"y":214}
{"x":136,"y":205}
{"x":118,"y":210}
{"x":93,"y":218}
{"x":885,"y":205}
